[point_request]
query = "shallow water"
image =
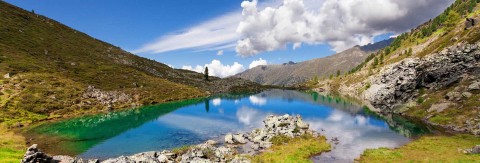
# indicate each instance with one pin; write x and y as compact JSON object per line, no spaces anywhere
{"x":176,"y":124}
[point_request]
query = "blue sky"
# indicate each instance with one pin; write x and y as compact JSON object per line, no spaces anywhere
{"x":190,"y":33}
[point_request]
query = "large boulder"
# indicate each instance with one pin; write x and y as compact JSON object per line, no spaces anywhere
{"x":34,"y":155}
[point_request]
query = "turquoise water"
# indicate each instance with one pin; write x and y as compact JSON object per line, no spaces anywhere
{"x":172,"y":125}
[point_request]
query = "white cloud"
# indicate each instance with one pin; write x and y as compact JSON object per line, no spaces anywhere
{"x":258,"y":62}
{"x":341,"y":24}
{"x":171,"y":66}
{"x":220,"y":52}
{"x":216,"y":102}
{"x":217,"y":32}
{"x":256,"y":100}
{"x":216,"y":68}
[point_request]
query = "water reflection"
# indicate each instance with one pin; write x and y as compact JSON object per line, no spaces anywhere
{"x":164,"y":127}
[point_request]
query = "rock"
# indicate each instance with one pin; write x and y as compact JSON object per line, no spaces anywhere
{"x":439,"y":107}
{"x":34,"y":155}
{"x":240,"y":159}
{"x":469,"y":23}
{"x":398,"y":83}
{"x":467,"y":94}
{"x":93,"y":161}
{"x":7,"y":76}
{"x":239,"y":138}
{"x":474,"y":150}
{"x":162,"y":158}
{"x":64,"y":159}
{"x":200,"y":160}
{"x":211,"y":142}
{"x":474,"y":86}
{"x":453,"y":96}
{"x":222,"y":152}
{"x":300,"y":123}
{"x":229,"y":139}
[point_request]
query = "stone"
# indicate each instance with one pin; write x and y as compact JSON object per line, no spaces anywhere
{"x":467,"y":94}
{"x":469,"y":23}
{"x":439,"y":107}
{"x":453,"y":96}
{"x":162,"y":158}
{"x":64,"y":159}
{"x":301,"y":124}
{"x":474,"y":86}
{"x":240,"y":159}
{"x":211,"y":142}
{"x":229,"y":139}
{"x":239,"y":138}
{"x":93,"y":161}
{"x":7,"y":76}
{"x":474,"y":150}
{"x":34,"y":155}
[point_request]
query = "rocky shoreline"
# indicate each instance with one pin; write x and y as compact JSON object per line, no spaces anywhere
{"x":236,"y":148}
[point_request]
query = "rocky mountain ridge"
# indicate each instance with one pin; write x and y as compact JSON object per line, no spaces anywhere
{"x":290,"y":74}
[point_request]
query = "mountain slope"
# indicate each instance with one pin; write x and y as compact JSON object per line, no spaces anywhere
{"x":295,"y":73}
{"x":431,"y":73}
{"x":50,"y":70}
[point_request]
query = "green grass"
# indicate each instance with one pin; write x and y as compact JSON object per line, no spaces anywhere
{"x":427,"y":149}
{"x":11,"y":146}
{"x":295,"y":150}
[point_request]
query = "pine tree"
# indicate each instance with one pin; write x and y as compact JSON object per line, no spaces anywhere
{"x":338,"y":73}
{"x":206,"y":73}
{"x":375,"y":62}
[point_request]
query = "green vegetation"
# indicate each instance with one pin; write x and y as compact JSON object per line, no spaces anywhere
{"x":427,"y":149}
{"x":181,"y":150}
{"x":52,"y":65}
{"x":11,"y":146}
{"x":293,"y":150}
{"x":205,"y":74}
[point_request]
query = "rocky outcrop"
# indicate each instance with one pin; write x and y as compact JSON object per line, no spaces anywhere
{"x":34,"y":155}
{"x":474,"y":150}
{"x":233,"y":150}
{"x":399,"y":83}
{"x":107,"y":98}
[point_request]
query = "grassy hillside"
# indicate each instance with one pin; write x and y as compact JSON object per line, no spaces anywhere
{"x":49,"y":66}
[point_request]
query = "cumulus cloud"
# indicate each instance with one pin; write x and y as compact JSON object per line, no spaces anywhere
{"x":341,"y":24}
{"x":258,"y":62}
{"x":216,"y":68}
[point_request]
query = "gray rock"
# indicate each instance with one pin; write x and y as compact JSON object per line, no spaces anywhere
{"x":474,"y":150}
{"x":211,"y":142}
{"x":64,"y":159}
{"x":240,"y":159}
{"x":467,"y":94}
{"x":439,"y":107}
{"x":34,"y":155}
{"x":397,"y":83}
{"x":229,"y":139}
{"x":474,"y":86}
{"x":239,"y":138}
{"x":453,"y":96}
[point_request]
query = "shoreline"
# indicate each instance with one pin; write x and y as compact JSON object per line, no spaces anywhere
{"x":277,"y":129}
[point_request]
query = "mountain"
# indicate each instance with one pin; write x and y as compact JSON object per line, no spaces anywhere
{"x":50,"y":70}
{"x":431,"y":73}
{"x":289,"y":74}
